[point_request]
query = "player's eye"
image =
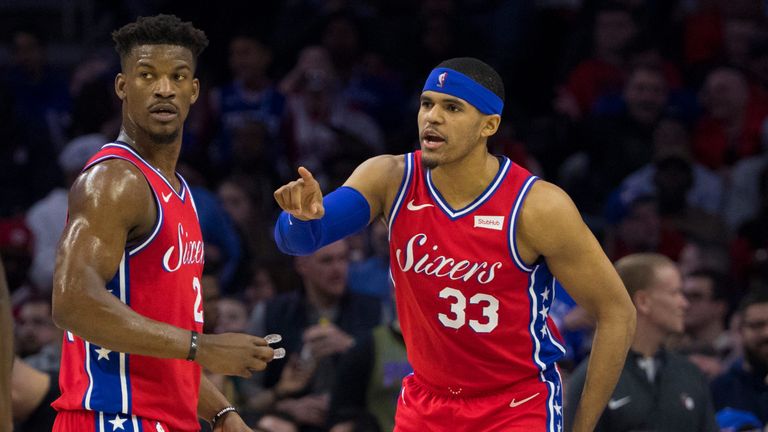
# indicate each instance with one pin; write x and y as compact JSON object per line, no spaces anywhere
{"x":145,"y":75}
{"x":180,"y":77}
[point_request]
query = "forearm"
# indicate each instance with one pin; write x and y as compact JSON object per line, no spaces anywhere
{"x":6,"y":353}
{"x":101,"y":318}
{"x":612,"y":339}
{"x":211,"y":400}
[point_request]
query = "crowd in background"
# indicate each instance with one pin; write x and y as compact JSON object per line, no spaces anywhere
{"x":651,"y":114}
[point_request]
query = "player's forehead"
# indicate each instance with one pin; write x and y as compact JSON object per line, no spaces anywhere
{"x":442,"y":98}
{"x":176,"y":56}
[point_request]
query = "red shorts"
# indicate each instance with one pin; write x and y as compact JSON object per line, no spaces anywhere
{"x":92,"y":421}
{"x":532,"y":408}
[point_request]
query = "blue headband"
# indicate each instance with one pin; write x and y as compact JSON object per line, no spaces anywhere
{"x":448,"y":81}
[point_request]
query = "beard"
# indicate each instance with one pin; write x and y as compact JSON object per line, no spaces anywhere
{"x":429,"y":162}
{"x":164,"y":138}
{"x":756,"y":361}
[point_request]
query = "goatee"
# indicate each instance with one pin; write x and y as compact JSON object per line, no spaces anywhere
{"x":164,"y":138}
{"x":428,"y":162}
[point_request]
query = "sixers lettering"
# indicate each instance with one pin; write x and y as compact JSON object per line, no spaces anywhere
{"x":186,"y":252}
{"x":477,"y":245}
{"x":442,"y":266}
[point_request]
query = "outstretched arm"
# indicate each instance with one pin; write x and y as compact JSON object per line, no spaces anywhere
{"x":6,"y":353}
{"x":310,"y":220}
{"x":552,"y":227}
{"x":109,"y":205}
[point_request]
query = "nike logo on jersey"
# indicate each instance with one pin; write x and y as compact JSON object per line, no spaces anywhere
{"x":615,"y":404}
{"x":413,"y":207}
{"x":489,"y":222}
{"x":515,"y":403}
{"x":166,"y":197}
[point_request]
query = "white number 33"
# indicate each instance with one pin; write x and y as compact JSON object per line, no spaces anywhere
{"x":459,"y":305}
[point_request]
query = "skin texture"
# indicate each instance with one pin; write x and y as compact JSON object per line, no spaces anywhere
{"x":111,"y":206}
{"x":549,"y":226}
{"x":6,"y":353}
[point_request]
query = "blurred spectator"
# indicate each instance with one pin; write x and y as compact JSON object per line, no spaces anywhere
{"x":731,"y":127}
{"x":41,"y":95}
{"x":32,"y":392}
{"x":674,"y":180}
{"x":619,"y":144}
{"x":603,"y":72}
{"x":211,"y":295}
{"x":322,"y":125}
{"x":744,"y":386}
{"x":317,"y":324}
{"x":697,"y":255}
{"x":232,"y":316}
{"x":706,"y":341}
{"x":670,"y":139}
{"x":46,"y":217}
{"x":371,"y":275}
{"x":749,"y":248}
{"x":636,"y":226}
{"x":658,"y":389}
{"x":250,"y":97}
{"x":16,"y":251}
{"x":35,"y":332}
{"x":250,"y":217}
{"x":369,"y":379}
{"x":744,"y":192}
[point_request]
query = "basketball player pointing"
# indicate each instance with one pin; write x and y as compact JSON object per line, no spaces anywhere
{"x":127,"y":281}
{"x":476,"y":243}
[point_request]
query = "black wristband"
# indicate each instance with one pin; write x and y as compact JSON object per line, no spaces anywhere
{"x":192,"y":346}
{"x":221,"y":414}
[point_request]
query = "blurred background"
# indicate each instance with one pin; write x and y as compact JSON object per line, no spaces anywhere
{"x":651,"y":114}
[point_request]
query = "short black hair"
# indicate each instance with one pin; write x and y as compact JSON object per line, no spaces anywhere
{"x":479,"y":71}
{"x":758,"y":294}
{"x":720,"y":282}
{"x":159,"y":30}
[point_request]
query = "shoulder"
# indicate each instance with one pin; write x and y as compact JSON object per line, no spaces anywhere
{"x":113,"y":180}
{"x":547,"y":206}
{"x":384,"y":166}
{"x":114,"y":187}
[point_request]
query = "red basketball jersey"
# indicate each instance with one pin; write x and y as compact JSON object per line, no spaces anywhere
{"x":158,"y":278}
{"x":474,"y":315}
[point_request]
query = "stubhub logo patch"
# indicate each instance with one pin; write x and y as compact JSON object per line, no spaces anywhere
{"x":489,"y":222}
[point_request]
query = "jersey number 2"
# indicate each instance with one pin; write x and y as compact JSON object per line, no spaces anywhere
{"x":459,"y":305}
{"x":198,"y":299}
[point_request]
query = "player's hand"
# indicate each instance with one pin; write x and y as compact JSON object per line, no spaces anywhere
{"x":302,"y":198}
{"x":231,"y":422}
{"x":233,"y":353}
{"x":326,"y":339}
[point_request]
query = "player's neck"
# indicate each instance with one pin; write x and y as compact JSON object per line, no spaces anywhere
{"x":461,"y":182}
{"x":161,"y":156}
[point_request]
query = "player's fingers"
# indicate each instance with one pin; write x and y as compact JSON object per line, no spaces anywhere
{"x":264,"y":353}
{"x":296,"y":193}
{"x":305,"y":174}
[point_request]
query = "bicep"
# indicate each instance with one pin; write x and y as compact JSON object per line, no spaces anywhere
{"x":102,"y":212}
{"x":554,"y":229}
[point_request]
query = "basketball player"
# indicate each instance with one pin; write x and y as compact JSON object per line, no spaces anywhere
{"x":476,"y":243}
{"x":127,"y":280}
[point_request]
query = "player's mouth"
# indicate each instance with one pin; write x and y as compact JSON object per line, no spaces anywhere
{"x":163,"y":112}
{"x":431,"y":140}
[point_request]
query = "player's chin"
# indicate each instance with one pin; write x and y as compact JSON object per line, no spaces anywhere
{"x":429,"y":161}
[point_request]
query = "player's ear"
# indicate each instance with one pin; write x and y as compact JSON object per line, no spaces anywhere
{"x":120,"y":86}
{"x":490,"y":125}
{"x":195,"y":90}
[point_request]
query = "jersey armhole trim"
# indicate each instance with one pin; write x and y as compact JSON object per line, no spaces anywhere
{"x":401,"y":192}
{"x":512,"y":240}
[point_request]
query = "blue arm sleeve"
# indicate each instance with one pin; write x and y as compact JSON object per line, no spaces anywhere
{"x":346,"y":212}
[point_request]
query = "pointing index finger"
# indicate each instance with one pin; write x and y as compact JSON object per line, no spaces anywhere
{"x":305,"y":174}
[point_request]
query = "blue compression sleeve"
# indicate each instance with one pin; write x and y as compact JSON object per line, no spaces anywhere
{"x":346,"y":212}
